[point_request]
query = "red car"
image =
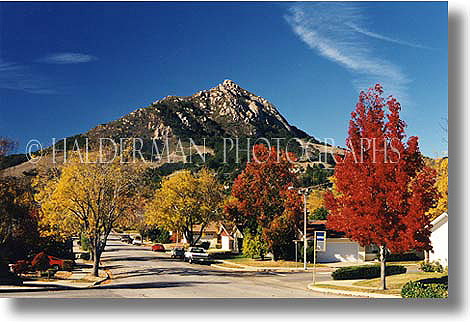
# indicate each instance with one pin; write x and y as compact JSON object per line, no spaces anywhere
{"x":60,"y":264}
{"x":158,"y":248}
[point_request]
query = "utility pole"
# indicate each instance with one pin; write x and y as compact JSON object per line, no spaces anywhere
{"x":304,"y":192}
{"x":305,"y":228}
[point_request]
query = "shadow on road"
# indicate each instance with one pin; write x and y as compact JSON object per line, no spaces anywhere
{"x":155,"y":285}
{"x":182,"y":271}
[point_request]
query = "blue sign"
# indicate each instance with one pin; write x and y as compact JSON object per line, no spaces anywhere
{"x":320,"y":241}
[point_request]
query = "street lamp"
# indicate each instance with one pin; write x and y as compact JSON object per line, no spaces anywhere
{"x":304,"y":192}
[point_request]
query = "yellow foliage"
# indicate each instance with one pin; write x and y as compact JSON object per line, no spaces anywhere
{"x":86,"y":197}
{"x":185,"y":200}
{"x":442,"y":188}
{"x":315,"y":200}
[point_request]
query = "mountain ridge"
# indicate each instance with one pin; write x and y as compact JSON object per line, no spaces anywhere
{"x":226,"y":110}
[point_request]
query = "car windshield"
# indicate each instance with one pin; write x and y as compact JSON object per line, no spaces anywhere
{"x":197,"y":250}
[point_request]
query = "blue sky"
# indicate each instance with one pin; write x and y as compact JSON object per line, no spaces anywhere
{"x":66,"y":67}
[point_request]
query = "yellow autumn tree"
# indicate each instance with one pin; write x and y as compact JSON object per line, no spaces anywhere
{"x":442,"y":187}
{"x":315,"y":204}
{"x":89,"y":198}
{"x":185,"y":200}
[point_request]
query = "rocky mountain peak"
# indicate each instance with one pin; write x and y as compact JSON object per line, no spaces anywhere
{"x":224,"y":110}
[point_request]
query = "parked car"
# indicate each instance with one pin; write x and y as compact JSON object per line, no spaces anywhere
{"x":21,"y":267}
{"x":137,"y":240}
{"x":177,"y":252}
{"x":196,"y":254}
{"x":126,"y":239}
{"x":158,"y":248}
{"x":61,"y":264}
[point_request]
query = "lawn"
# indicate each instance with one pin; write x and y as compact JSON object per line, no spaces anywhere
{"x":394,"y":283}
{"x":397,"y":281}
{"x":269,"y":263}
{"x":358,"y":289}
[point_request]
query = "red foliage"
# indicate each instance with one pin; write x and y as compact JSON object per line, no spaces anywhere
{"x":383,"y":188}
{"x":40,"y":262}
{"x":261,"y":199}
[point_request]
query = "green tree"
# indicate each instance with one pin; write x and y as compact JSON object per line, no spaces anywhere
{"x":253,"y":245}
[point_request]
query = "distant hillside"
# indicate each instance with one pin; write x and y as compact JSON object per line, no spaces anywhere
{"x":208,"y":116}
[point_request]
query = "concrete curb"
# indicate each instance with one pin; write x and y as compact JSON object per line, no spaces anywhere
{"x":270,"y":269}
{"x":351,"y":293}
{"x":107,"y":277}
{"x":241,"y":269}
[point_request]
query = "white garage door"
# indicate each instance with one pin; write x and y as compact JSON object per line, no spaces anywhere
{"x":226,"y":243}
{"x":339,"y":252}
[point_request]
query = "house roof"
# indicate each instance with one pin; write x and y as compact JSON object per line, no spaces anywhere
{"x":439,"y":221}
{"x":315,"y":225}
{"x":212,"y":227}
{"x":230,"y":228}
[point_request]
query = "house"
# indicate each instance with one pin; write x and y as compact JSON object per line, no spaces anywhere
{"x":231,"y":237}
{"x":209,"y":234}
{"x":338,"y":247}
{"x":439,"y":239}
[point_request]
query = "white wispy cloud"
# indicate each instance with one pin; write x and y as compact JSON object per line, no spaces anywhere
{"x":67,"y":58}
{"x":14,"y":76}
{"x":385,"y":38}
{"x":331,"y":30}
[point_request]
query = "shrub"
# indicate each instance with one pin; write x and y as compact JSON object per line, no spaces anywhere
{"x":431,"y":267}
{"x":365,"y":271}
{"x":309,"y":252}
{"x":84,"y":243}
{"x":418,"y":289}
{"x":254,"y":246}
{"x":411,"y":256}
{"x":222,"y":255}
{"x":205,"y":244}
{"x":21,"y":267}
{"x":40,"y":262}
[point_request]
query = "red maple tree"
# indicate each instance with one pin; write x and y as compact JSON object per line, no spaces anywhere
{"x":260,"y":199}
{"x":382,"y":187}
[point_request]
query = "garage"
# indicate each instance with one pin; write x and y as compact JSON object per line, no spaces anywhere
{"x":339,"y":250}
{"x":226,"y":243}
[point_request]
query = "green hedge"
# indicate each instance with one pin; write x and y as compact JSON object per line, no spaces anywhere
{"x":365,"y":271}
{"x":422,"y":290}
{"x":85,"y":256}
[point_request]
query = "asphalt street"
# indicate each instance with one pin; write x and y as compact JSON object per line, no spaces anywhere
{"x":137,"y":272}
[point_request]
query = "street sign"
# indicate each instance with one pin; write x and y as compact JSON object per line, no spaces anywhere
{"x":320,"y":241}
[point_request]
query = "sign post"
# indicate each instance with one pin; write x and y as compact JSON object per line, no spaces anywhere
{"x":319,"y":244}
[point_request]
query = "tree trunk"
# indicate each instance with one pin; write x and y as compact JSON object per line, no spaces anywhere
{"x":383,"y":285}
{"x":96,"y":261}
{"x":426,"y":256}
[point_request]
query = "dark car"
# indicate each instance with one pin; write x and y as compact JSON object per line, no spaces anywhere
{"x":126,"y":239}
{"x":177,"y":252}
{"x":158,"y":248}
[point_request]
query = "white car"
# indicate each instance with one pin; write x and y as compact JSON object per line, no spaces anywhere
{"x":196,"y":254}
{"x":137,"y":240}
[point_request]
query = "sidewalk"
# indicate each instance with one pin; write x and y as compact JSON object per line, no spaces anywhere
{"x":229,"y":265}
{"x":79,"y":277}
{"x":360,"y":291}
